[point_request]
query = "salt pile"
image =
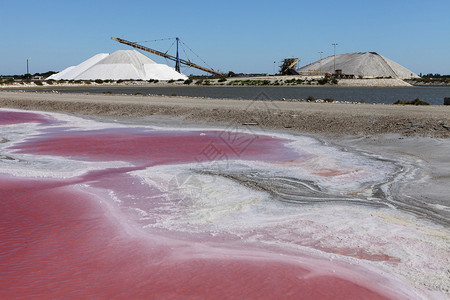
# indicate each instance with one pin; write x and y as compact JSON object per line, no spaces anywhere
{"x":122,"y":64}
{"x":366,"y":64}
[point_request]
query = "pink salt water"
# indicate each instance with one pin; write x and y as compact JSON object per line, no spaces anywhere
{"x":65,"y":237}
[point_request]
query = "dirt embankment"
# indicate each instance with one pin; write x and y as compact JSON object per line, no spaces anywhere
{"x":325,"y":118}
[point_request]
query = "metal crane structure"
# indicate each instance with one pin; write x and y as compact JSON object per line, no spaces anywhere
{"x":288,"y":67}
{"x":176,"y":59}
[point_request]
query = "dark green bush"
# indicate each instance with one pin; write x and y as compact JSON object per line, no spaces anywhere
{"x":38,"y":82}
{"x":416,"y":101}
{"x":188,"y":81}
{"x":323,"y":81}
{"x":99,"y":81}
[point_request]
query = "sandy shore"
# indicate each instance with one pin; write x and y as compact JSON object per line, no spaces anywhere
{"x":325,"y":118}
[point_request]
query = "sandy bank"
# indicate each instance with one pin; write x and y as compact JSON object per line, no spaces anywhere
{"x":325,"y":118}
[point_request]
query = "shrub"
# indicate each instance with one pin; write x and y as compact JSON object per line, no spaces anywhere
{"x":329,"y":100}
{"x":99,"y":81}
{"x":50,"y":81}
{"x":223,"y":79}
{"x":334,"y":81}
{"x":416,"y":101}
{"x":38,"y":82}
{"x":188,"y":81}
{"x":119,"y":81}
{"x":323,"y":81}
{"x":311,"y":98}
{"x":200,"y":81}
{"x":156,"y":81}
{"x":171,"y":81}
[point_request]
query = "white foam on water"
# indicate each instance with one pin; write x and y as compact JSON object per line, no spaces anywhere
{"x":387,"y":238}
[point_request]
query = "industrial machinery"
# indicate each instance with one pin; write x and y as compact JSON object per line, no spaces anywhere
{"x":176,"y":58}
{"x":288,"y":66}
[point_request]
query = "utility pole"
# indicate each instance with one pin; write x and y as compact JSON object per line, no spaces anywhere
{"x":28,"y":70}
{"x":334,"y":44}
{"x":177,"y":63}
{"x":320,"y":68}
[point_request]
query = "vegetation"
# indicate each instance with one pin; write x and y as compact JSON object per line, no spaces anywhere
{"x":171,"y":81}
{"x":323,"y":81}
{"x":99,"y":81}
{"x":223,"y":79}
{"x":38,"y":82}
{"x":416,"y":101}
{"x":188,"y":81}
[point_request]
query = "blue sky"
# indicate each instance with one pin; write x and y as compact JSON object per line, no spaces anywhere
{"x":242,"y":36}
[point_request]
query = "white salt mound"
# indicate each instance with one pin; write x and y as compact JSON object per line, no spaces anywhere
{"x":367,"y":64}
{"x":122,"y":64}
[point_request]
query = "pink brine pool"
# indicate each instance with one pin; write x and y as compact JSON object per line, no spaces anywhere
{"x":98,"y":210}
